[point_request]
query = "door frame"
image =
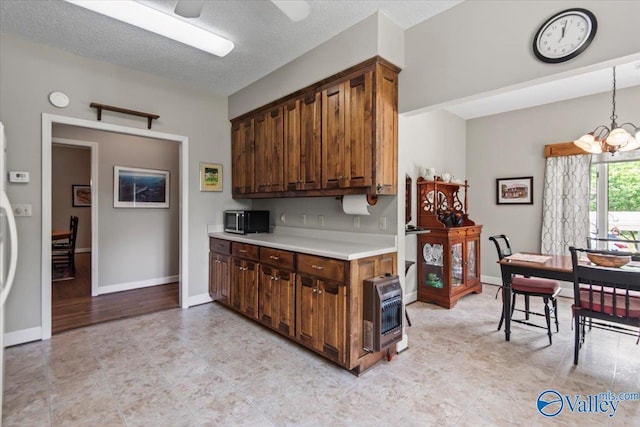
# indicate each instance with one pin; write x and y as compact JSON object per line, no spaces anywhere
{"x":93,"y":147}
{"x":47,"y":129}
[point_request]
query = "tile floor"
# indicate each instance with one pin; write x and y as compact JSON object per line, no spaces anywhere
{"x":209,"y":366}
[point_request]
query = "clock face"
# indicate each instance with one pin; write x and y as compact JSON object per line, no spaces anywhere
{"x":565,"y":35}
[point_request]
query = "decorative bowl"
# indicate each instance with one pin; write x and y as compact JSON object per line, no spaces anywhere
{"x":608,"y":260}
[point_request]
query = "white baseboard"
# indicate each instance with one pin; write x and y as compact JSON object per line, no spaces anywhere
{"x":410,"y":297}
{"x":22,"y":336}
{"x":199,"y":299}
{"x":137,"y":285}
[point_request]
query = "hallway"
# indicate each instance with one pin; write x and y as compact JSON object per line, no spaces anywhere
{"x":73,"y":307}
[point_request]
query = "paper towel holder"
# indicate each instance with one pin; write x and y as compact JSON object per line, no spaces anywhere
{"x":372,"y":199}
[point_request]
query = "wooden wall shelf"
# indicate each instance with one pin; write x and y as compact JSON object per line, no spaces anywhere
{"x":101,"y":107}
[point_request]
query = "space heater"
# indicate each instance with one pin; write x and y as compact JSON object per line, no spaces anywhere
{"x":382,"y":312}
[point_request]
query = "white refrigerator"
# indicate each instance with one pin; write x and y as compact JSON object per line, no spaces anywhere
{"x":8,"y":250}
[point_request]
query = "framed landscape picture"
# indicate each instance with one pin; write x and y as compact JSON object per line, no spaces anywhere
{"x":140,"y":188}
{"x":514,"y":191}
{"x":210,"y":177}
{"x":81,"y":196}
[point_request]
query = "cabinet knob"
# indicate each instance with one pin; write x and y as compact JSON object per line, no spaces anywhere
{"x":276,"y":278}
{"x":319,"y":291}
{"x":317,"y":267}
{"x":274,"y":257}
{"x":315,"y":290}
{"x":244,"y":251}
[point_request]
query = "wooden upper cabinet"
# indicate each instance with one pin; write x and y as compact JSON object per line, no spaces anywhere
{"x":347,"y":133}
{"x":269,"y":150}
{"x":242,"y":155}
{"x":337,"y":136}
{"x":333,"y":142}
{"x":302,"y":124}
{"x":386,"y":131}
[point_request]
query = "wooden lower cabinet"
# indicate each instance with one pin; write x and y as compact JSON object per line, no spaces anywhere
{"x":321,"y":316}
{"x":244,"y":286}
{"x":276,"y":299}
{"x":219,"y":277}
{"x":315,"y":301}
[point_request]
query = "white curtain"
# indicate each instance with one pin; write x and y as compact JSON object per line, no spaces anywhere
{"x":565,"y":210}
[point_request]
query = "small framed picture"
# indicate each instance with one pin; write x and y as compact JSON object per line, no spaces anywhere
{"x":81,"y":196}
{"x":210,"y":177}
{"x":140,"y":188}
{"x":514,"y":191}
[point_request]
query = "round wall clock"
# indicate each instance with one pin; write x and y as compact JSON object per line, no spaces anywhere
{"x":565,"y":35}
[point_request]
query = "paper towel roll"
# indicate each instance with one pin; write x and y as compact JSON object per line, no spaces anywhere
{"x":355,"y":204}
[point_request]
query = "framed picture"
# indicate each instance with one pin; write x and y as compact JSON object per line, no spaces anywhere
{"x":210,"y":177}
{"x":81,"y":196}
{"x":514,"y":191}
{"x":140,"y":188}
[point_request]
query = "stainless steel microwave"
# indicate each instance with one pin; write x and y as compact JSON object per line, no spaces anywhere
{"x":245,"y":222}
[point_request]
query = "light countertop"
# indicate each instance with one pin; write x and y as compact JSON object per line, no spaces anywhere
{"x":332,"y":244}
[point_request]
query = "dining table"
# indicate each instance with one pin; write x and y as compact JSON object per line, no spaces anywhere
{"x":557,"y":267}
{"x":60,"y":234}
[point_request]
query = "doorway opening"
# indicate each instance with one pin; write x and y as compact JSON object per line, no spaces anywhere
{"x":88,"y":262}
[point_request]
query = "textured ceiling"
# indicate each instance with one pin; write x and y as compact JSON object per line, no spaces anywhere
{"x":265,"y":39}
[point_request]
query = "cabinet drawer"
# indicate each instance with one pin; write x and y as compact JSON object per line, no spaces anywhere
{"x":453,"y":233}
{"x":220,"y":246}
{"x":244,"y":250}
{"x":326,"y":268}
{"x":277,"y":258}
{"x":474,"y":231}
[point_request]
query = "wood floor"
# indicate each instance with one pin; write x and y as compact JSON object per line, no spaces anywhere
{"x":73,"y":307}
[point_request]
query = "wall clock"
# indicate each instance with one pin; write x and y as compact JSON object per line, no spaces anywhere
{"x":565,"y":35}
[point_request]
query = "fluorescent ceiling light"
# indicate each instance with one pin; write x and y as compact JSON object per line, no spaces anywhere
{"x":153,"y":20}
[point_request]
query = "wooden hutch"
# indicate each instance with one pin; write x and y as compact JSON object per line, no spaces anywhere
{"x":449,"y":255}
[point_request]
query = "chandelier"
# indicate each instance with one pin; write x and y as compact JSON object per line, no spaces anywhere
{"x":605,"y":139}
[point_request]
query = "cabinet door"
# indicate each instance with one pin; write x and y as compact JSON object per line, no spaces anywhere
{"x":250,"y":289}
{"x":237,"y":283}
{"x":456,"y":265}
{"x":223,"y":279}
{"x":310,"y":155}
{"x":306,"y":310}
{"x":269,"y":161}
{"x":242,"y":153}
{"x":331,"y":324}
{"x":292,"y":146}
{"x":333,"y":138}
{"x":386,"y":127}
{"x":472,"y":261}
{"x":358,"y":131}
{"x":219,"y":277}
{"x":285,"y":302}
{"x":267,"y":296}
{"x":213,"y":288}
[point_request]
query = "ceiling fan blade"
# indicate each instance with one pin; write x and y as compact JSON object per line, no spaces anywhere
{"x":296,"y":10}
{"x":189,"y":8}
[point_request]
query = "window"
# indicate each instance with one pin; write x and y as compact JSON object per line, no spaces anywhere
{"x":614,"y":211}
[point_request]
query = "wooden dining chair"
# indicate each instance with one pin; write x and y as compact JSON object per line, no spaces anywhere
{"x":528,"y":287}
{"x":604,"y":297}
{"x":63,"y":252}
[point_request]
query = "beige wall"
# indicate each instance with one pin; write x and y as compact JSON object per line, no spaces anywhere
{"x":70,"y":166}
{"x":437,"y":140}
{"x":511,"y":145}
{"x":28,"y":73}
{"x":134,"y":245}
{"x":478,"y":47}
{"x":375,"y":35}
